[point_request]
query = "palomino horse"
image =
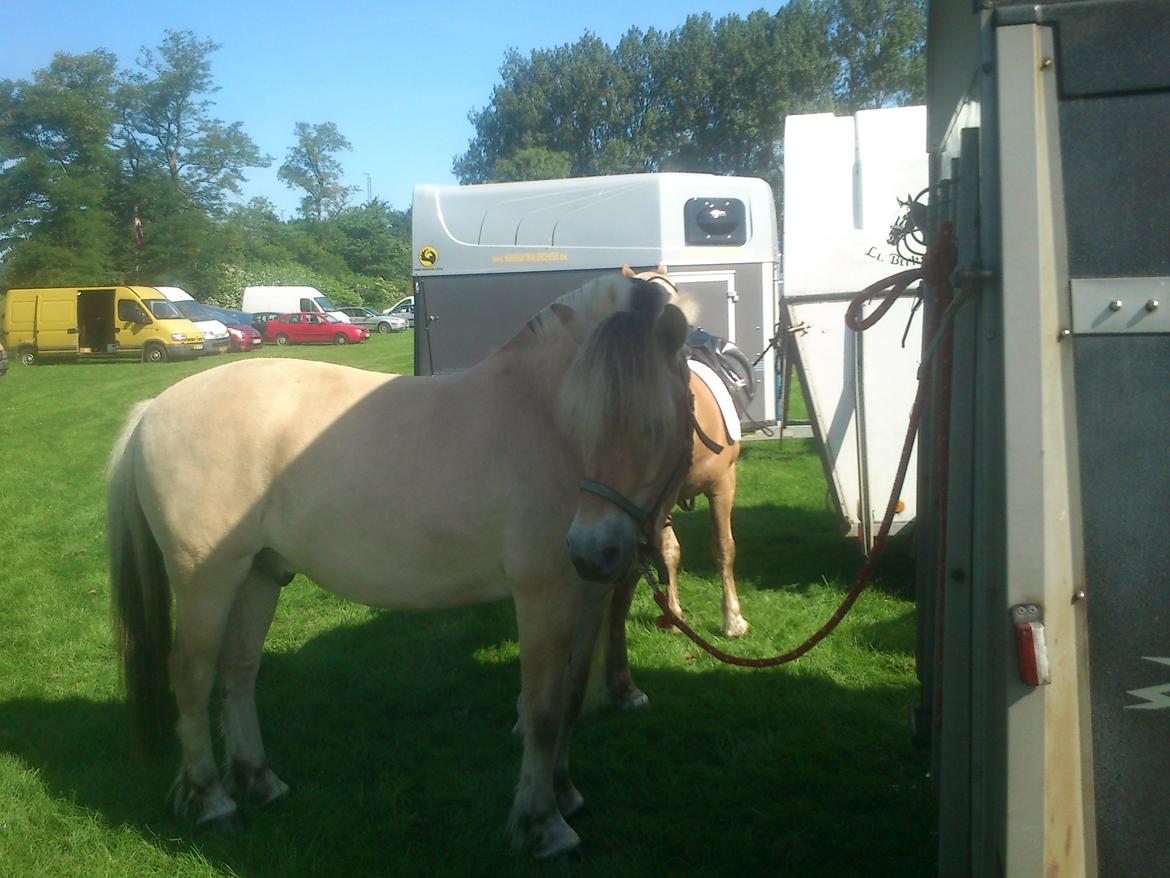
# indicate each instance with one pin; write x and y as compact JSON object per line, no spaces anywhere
{"x":576,"y":427}
{"x":714,"y":453}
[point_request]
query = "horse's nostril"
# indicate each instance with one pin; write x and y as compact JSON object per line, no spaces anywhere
{"x":610,"y":557}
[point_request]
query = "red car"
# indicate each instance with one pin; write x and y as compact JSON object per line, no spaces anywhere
{"x":306,"y":327}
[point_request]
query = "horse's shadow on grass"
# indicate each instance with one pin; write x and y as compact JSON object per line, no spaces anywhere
{"x":395,"y":736}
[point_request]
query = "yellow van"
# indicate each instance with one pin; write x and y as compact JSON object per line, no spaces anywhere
{"x":83,"y":322}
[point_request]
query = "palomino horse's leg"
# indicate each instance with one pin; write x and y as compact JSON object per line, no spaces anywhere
{"x":546,"y":618}
{"x":239,"y":661}
{"x":201,"y":617}
{"x":619,"y":682}
{"x":723,"y":551}
{"x":672,"y":557}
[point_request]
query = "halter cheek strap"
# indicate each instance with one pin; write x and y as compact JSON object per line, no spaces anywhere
{"x":620,"y":501}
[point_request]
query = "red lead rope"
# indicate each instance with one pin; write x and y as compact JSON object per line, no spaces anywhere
{"x":936,"y":270}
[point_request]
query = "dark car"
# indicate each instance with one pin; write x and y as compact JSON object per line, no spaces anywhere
{"x":306,"y":327}
{"x":242,"y":335}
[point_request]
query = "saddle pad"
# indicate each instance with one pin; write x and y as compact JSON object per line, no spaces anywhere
{"x":719,"y":391}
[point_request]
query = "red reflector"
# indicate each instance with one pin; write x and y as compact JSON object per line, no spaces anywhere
{"x":1032,"y":653}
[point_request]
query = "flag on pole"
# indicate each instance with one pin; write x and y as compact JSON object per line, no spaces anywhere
{"x":137,"y":229}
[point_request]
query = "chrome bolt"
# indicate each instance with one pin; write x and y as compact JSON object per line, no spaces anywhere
{"x":1115,"y":305}
{"x":1152,"y":305}
{"x":1063,"y":334}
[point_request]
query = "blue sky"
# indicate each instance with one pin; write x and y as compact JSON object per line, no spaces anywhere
{"x":398,"y":79}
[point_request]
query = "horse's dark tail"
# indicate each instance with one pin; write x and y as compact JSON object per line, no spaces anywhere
{"x":141,"y":596}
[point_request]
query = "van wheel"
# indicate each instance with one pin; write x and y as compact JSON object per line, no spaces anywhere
{"x":28,"y":356}
{"x":384,"y":327}
{"x":281,"y":339}
{"x":340,"y":338}
{"x":154,"y":353}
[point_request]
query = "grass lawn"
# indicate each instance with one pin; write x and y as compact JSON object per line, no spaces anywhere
{"x":393,"y":728}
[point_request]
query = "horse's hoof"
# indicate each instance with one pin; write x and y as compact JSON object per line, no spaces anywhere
{"x":555,"y":840}
{"x":667,"y":625}
{"x":634,"y":699}
{"x":737,"y":627}
{"x":225,"y":824}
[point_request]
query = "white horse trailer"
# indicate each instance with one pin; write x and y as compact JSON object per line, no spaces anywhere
{"x":488,"y":257}
{"x":1043,"y":574}
{"x":847,"y":181}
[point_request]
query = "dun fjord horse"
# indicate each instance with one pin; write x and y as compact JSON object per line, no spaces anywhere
{"x":523,"y":476}
{"x":712,"y":473}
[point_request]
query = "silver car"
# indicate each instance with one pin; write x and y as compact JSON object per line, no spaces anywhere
{"x":372,"y":319}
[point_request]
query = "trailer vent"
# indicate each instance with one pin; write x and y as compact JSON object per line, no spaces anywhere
{"x":715,"y":222}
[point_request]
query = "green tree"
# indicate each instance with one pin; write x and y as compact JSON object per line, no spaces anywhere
{"x":532,"y":163}
{"x":880,"y":46}
{"x":58,"y":173}
{"x":167,"y":128}
{"x":312,"y":166}
{"x":711,"y":95}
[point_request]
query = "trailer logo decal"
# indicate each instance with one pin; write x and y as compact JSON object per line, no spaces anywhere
{"x":541,"y":256}
{"x":1156,"y":697}
{"x":428,"y":256}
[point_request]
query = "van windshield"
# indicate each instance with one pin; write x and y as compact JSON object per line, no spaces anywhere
{"x":194,"y":310}
{"x":324,"y":302}
{"x":163,"y":310}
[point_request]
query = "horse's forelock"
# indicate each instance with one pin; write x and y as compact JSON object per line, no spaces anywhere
{"x":619,"y":386}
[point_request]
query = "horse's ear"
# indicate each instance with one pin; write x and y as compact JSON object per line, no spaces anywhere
{"x":661,"y":269}
{"x":627,"y":271}
{"x":671,"y":329}
{"x":577,"y":328}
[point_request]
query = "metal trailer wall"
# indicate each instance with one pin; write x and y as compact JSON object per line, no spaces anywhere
{"x":487,"y":258}
{"x":1044,"y":465}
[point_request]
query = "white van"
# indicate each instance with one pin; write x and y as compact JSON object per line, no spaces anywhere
{"x":283,"y":300}
{"x":215,"y":333}
{"x":403,"y":309}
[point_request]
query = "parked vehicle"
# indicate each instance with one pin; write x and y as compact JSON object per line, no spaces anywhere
{"x":376,"y":322}
{"x":284,"y":300}
{"x":242,"y":335}
{"x":215,"y":334}
{"x":403,"y":309}
{"x":303,"y":327}
{"x":88,"y":322}
{"x":261,"y":318}
{"x":3,"y":360}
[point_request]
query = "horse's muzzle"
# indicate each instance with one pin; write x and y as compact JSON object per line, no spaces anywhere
{"x":602,"y":552}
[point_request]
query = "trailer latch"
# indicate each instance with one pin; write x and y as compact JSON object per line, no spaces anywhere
{"x":1031,"y":648}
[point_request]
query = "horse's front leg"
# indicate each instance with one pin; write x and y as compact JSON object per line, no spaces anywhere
{"x":546,"y":621}
{"x":594,"y":602}
{"x":619,"y":682}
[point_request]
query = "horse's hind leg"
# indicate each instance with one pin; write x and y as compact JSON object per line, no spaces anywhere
{"x":200,"y":619}
{"x":721,"y":498}
{"x":248,"y":772}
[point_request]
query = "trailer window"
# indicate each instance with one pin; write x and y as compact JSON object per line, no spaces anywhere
{"x":715,"y":222}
